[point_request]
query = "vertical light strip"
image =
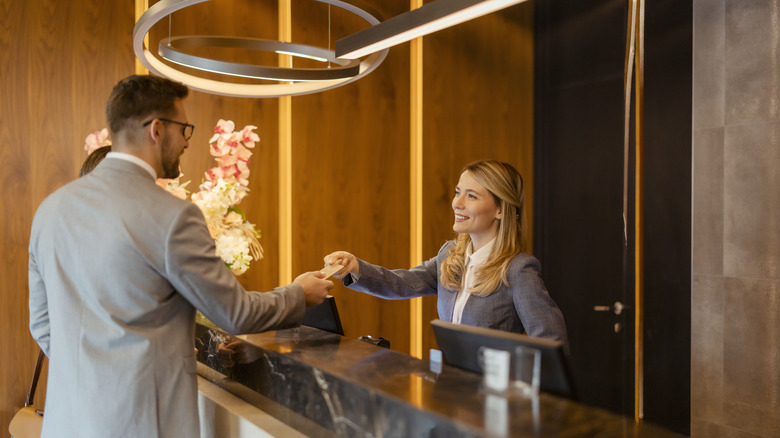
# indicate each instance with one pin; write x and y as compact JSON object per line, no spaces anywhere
{"x":415,"y":390}
{"x":639,"y":376}
{"x":415,"y":182}
{"x":140,"y":7}
{"x":285,"y":154}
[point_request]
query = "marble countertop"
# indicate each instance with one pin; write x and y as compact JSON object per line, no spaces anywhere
{"x":325,"y":384}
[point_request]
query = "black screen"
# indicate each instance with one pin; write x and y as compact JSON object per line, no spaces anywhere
{"x":460,"y":344}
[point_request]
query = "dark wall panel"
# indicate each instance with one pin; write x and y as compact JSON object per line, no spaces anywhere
{"x":668,"y":161}
{"x":579,"y":155}
{"x":579,"y":175}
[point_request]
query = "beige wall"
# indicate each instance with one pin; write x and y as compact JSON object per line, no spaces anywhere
{"x":350,"y":145}
{"x":736,"y":220}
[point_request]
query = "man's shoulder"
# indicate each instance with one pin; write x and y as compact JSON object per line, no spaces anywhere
{"x":60,"y":193}
{"x":115,"y":191}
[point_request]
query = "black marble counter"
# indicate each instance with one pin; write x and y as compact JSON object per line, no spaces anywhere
{"x":323,"y":384}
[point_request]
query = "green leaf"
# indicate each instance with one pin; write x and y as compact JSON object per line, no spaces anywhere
{"x":243,"y":216}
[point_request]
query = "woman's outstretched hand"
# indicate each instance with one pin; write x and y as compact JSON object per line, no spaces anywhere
{"x":345,"y":259}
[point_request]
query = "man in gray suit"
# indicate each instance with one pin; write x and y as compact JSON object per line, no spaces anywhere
{"x":117,"y":268}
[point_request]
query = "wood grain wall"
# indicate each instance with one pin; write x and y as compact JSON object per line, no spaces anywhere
{"x":350,"y":145}
{"x":204,"y":110}
{"x":478,"y":104}
{"x":59,"y":60}
{"x":351,"y":176}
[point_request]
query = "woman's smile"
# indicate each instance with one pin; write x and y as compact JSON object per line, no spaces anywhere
{"x":476,"y":211}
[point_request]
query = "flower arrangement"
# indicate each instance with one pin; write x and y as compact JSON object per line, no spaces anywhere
{"x":225,"y":185}
{"x":223,"y":188}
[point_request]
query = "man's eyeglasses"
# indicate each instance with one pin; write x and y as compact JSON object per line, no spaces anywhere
{"x":186,"y":128}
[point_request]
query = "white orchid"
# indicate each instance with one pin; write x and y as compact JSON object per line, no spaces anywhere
{"x":233,"y":245}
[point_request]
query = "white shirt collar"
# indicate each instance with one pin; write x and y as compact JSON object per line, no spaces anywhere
{"x":133,"y":159}
{"x":479,"y":257}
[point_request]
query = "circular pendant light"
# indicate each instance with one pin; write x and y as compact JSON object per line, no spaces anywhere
{"x":170,"y":49}
{"x":312,"y":80}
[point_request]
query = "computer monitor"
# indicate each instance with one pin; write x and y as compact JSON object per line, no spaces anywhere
{"x":460,"y":344}
{"x":324,"y":316}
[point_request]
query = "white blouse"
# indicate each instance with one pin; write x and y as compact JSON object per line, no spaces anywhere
{"x":473,"y":262}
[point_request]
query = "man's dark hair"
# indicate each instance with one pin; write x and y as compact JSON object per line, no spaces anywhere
{"x":141,"y":96}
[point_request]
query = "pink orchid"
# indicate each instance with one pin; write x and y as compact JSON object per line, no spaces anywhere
{"x":96,"y":140}
{"x":248,"y":136}
{"x":243,"y":153}
{"x":224,"y":126}
{"x":226,"y":160}
{"x":217,"y":149}
{"x":227,"y":171}
{"x":214,"y":174}
{"x":242,"y":165}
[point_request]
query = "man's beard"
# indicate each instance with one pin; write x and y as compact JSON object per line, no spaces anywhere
{"x":170,"y":164}
{"x":171,"y":170}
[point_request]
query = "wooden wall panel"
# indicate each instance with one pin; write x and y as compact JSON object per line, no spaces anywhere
{"x":260,"y":205}
{"x":204,"y":110}
{"x":477,"y":104}
{"x":59,"y":61}
{"x":351,"y":174}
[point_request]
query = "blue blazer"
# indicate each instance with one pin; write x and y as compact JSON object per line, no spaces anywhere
{"x":522,"y":307}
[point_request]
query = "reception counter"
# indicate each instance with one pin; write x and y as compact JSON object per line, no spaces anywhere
{"x":309,"y":382}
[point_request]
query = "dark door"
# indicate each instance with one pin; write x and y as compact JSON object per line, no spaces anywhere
{"x":579,"y":181}
{"x":578,"y":211}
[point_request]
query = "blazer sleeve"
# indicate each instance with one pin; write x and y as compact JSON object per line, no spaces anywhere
{"x":398,"y":284}
{"x":538,"y":312}
{"x":197,"y":273}
{"x":39,"y":305}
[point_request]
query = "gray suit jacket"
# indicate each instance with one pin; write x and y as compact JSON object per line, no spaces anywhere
{"x":117,"y":268}
{"x":523,"y":307}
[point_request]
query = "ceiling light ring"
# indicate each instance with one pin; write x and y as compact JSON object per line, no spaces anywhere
{"x":246,"y":90}
{"x":164,"y":8}
{"x":169,"y":48}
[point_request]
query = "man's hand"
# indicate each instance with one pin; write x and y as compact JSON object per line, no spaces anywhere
{"x":314,"y":286}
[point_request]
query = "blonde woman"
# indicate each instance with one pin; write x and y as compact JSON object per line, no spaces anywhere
{"x":484,"y":277}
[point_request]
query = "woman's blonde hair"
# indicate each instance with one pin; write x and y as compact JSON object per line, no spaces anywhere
{"x":505,"y":183}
